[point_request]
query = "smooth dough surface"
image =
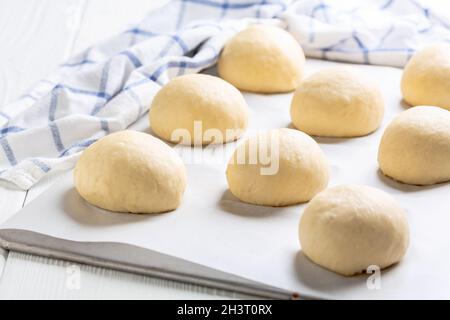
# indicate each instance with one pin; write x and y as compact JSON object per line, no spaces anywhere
{"x":131,"y":171}
{"x":426,"y":78}
{"x":415,"y":148}
{"x":218,"y":108}
{"x":346,"y":229}
{"x":295,"y":169}
{"x":337,"y":102}
{"x":264,"y":59}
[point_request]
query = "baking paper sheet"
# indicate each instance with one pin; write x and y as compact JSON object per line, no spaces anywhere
{"x":214,"y":229}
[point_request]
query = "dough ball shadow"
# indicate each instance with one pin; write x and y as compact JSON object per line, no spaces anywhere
{"x":405,"y":105}
{"x":318,"y":278}
{"x":212,"y":71}
{"x":229,"y":203}
{"x":392,"y":183}
{"x":77,"y":209}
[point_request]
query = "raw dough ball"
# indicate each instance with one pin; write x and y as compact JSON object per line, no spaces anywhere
{"x":263,"y":59}
{"x":415,"y":147}
{"x":426,"y":79}
{"x":348,"y":228}
{"x":337,"y":102}
{"x":277,"y":168}
{"x":206,"y":108}
{"x":130,"y":171}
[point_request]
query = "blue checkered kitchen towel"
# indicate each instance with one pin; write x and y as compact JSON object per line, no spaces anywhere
{"x":110,"y":86}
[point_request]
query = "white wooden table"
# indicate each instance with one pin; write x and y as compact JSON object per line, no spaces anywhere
{"x":35,"y":37}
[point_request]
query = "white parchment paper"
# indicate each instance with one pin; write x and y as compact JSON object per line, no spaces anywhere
{"x":261,"y":243}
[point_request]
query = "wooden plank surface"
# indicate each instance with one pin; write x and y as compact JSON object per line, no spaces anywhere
{"x":30,"y":26}
{"x":104,"y":18}
{"x":36,"y":36}
{"x":54,"y":30}
{"x":25,"y":25}
{"x":32,"y":277}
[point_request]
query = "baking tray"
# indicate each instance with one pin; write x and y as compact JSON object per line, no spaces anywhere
{"x":215,"y":240}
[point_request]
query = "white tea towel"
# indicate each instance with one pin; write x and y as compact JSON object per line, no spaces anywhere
{"x":109,"y":86}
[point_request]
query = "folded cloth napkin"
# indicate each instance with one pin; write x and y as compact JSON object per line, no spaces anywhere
{"x":109,"y":86}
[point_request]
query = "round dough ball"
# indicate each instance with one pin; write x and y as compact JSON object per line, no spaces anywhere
{"x":426,"y":78}
{"x":199,"y":109}
{"x":130,"y":171}
{"x":264,"y":59}
{"x":415,"y":148}
{"x":277,"y":168}
{"x":346,"y":229}
{"x":337,"y":102}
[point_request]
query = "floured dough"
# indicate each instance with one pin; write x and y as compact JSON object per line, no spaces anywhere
{"x":337,"y":102}
{"x":130,"y":171}
{"x":346,"y":229}
{"x":415,"y":148}
{"x":264,"y":59}
{"x":198,"y":109}
{"x":426,"y":78}
{"x":277,"y":168}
